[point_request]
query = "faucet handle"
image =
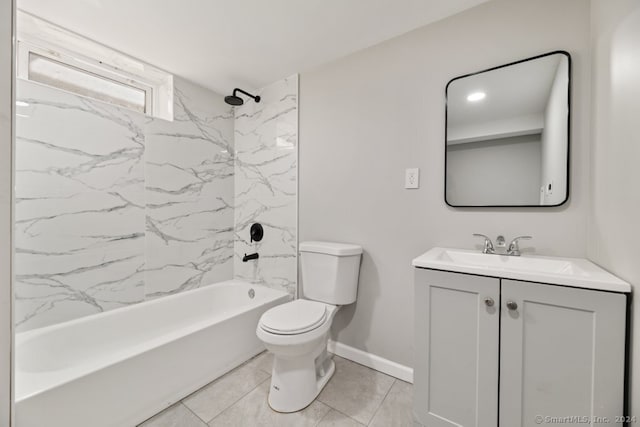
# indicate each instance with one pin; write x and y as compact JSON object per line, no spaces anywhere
{"x":488,"y":244}
{"x":514,"y":249}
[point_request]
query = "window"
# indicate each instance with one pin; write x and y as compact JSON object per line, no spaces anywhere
{"x":90,"y":69}
{"x":76,"y":80}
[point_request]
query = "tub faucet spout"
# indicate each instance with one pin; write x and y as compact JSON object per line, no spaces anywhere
{"x":249,"y":257}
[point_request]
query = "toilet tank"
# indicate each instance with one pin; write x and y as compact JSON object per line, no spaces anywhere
{"x":330,"y":271}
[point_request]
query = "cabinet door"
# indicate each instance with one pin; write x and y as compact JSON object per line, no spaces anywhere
{"x":456,"y":367}
{"x":561,"y":354}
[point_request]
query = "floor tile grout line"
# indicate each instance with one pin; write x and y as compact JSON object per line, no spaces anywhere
{"x":348,"y":416}
{"x":337,"y":410}
{"x":325,"y":415}
{"x":196,"y":415}
{"x":255,"y":368}
{"x":217,"y":379}
{"x":245,"y":363}
{"x":242,"y":397}
{"x":205,"y":386}
{"x":263,"y":354}
{"x":175,"y":404}
{"x":340,"y":412}
{"x":381,"y":402}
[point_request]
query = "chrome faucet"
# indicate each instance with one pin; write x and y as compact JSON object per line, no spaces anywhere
{"x":488,"y":244}
{"x":512,"y":250}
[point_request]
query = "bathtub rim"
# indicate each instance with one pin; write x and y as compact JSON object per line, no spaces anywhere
{"x":67,"y":375}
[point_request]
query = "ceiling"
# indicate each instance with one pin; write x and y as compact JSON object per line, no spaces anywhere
{"x":221,"y":44}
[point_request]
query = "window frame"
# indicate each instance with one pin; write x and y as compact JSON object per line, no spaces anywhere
{"x":82,"y":54}
{"x":84,"y":65}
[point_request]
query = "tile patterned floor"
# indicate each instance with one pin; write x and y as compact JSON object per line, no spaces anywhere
{"x":355,"y":396}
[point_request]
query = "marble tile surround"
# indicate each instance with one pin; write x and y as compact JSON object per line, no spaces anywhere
{"x":79,"y":216}
{"x":189,"y":195}
{"x":266,"y":180}
{"x":113,"y":207}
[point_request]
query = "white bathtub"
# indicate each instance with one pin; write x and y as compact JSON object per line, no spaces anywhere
{"x":120,"y":367}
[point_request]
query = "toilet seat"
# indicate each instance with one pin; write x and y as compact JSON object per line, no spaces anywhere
{"x":295,"y":317}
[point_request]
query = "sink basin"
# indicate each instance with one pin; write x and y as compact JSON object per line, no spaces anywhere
{"x":575,"y":272}
{"x":521,"y":263}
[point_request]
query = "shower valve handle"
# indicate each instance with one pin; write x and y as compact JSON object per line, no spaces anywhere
{"x":256,"y":232}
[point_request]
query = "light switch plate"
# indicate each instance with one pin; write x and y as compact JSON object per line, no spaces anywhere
{"x":412,"y":178}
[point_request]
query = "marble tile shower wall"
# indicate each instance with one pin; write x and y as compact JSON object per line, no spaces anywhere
{"x":189,"y":190}
{"x":266,"y":182}
{"x":113,"y":207}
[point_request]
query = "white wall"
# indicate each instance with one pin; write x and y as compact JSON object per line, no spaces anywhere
{"x":367,"y":117}
{"x":614,"y":221}
{"x":6,"y":184}
{"x":497,"y":172}
{"x":554,"y":138}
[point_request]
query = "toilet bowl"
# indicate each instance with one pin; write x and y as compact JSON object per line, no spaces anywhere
{"x":302,"y":365}
{"x":297,"y":332}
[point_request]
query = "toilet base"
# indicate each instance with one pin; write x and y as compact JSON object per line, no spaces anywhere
{"x":295,"y":383}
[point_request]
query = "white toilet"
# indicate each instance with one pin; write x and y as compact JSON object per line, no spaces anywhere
{"x":297,"y":332}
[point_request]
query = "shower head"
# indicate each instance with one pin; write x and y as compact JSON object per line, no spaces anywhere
{"x":235,"y":100}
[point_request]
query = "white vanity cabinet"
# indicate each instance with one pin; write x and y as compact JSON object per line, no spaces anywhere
{"x":493,"y":351}
{"x":457,"y":347}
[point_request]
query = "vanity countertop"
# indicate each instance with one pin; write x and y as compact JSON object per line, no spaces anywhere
{"x":574,"y":272}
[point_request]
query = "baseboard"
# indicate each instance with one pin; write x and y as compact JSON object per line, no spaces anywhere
{"x":372,"y":361}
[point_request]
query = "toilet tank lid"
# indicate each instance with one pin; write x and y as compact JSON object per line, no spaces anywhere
{"x":331,"y":248}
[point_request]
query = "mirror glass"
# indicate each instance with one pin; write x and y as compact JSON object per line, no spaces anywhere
{"x":507,"y":134}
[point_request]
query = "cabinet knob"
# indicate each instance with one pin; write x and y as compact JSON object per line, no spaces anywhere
{"x":489,"y":302}
{"x":512,"y":305}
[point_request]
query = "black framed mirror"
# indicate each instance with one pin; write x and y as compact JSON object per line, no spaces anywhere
{"x":508,"y":134}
